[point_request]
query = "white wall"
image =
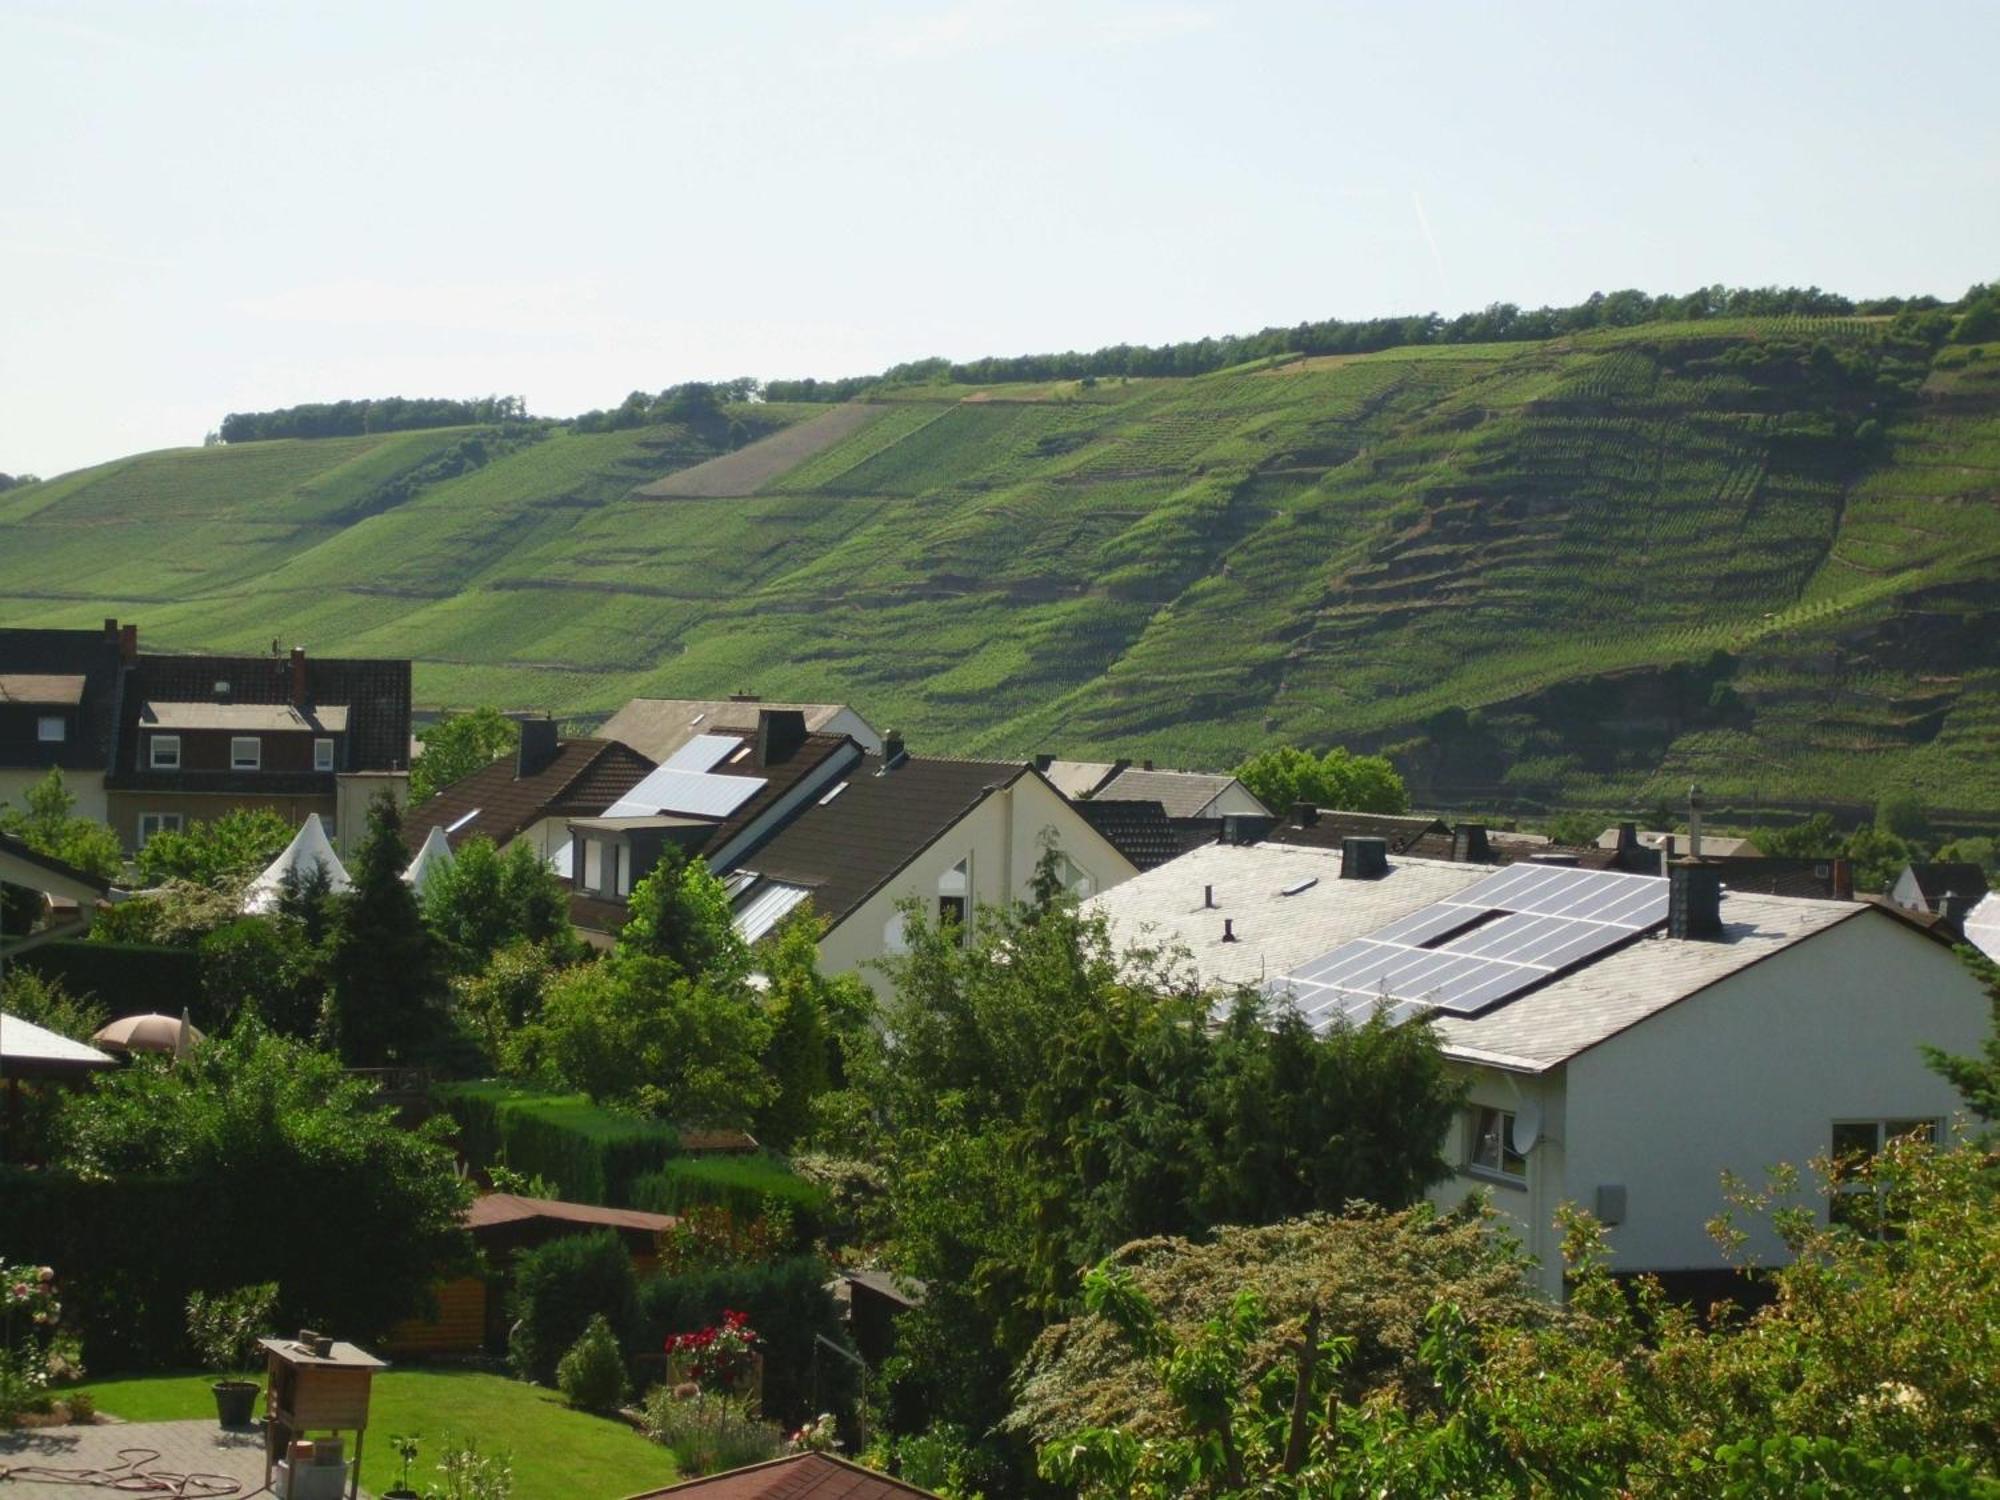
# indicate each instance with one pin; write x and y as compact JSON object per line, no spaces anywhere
{"x":1527,"y":1207}
{"x":1754,"y":1071}
{"x":86,"y":786}
{"x":1003,"y":838}
{"x":1236,"y":799}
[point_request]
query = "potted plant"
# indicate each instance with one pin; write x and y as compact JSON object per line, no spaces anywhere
{"x":406,"y":1445}
{"x":224,"y":1329}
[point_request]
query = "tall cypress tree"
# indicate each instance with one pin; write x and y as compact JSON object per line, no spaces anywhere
{"x":388,"y":975}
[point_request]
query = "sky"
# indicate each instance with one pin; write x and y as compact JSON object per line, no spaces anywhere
{"x":226,"y":205}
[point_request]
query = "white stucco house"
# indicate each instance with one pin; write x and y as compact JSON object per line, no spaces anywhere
{"x":1624,"y":1044}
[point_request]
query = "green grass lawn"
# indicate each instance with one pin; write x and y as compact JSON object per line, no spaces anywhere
{"x":558,"y":1454}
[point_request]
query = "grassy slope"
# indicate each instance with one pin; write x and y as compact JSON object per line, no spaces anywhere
{"x":557,"y":1453}
{"x":1326,"y":549}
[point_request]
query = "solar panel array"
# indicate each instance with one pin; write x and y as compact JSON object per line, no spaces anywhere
{"x":694,"y":794}
{"x":1493,"y":940}
{"x":704,"y":752}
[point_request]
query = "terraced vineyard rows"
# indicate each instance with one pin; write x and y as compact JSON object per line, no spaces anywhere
{"x":1747,"y":552}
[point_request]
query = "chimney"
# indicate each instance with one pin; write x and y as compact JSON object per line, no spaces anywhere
{"x":1229,"y":930}
{"x":128,"y":644}
{"x":1148,"y":766}
{"x":1469,"y":845}
{"x":1843,"y":880}
{"x":1208,"y":897}
{"x":893,"y":753}
{"x":780,"y":732}
{"x":1628,"y":841}
{"x":1364,"y":859}
{"x":538,"y":746}
{"x":1043,"y":762}
{"x":1695,"y":804}
{"x":110,"y":632}
{"x":298,"y":677}
{"x":1304,"y":813}
{"x":1694,"y":899}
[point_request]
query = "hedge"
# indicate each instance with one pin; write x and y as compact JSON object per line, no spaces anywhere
{"x":592,"y":1155}
{"x":558,"y":1288}
{"x":745,"y":1185}
{"x":789,"y":1306}
{"x":127,"y":978}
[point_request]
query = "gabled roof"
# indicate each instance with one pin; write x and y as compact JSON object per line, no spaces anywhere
{"x":88,"y":656}
{"x":1080,"y":778}
{"x":1713,"y":845}
{"x":802,"y":1476}
{"x":1142,"y":831}
{"x":1184,"y":794}
{"x":490,"y":1209}
{"x":657,"y":727}
{"x":1275,"y":934}
{"x":850,"y":841}
{"x":581,"y":779}
{"x":1936,"y":880}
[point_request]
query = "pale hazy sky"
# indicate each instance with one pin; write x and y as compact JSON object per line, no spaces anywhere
{"x":208,"y":207}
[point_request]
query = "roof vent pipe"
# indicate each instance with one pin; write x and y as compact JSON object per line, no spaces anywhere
{"x":1694,"y":900}
{"x":1208,"y":897}
{"x":1364,"y":859}
{"x":1229,"y":930}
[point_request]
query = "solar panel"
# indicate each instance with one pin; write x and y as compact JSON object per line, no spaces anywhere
{"x":694,"y":794}
{"x":702,"y":753}
{"x":1516,"y":929}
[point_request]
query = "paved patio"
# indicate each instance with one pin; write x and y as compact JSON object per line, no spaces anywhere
{"x":225,"y":1464}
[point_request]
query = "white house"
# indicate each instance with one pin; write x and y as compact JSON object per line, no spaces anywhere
{"x":1624,"y":1044}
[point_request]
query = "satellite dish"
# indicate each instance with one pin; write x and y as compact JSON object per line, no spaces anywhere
{"x":1527,"y":1125}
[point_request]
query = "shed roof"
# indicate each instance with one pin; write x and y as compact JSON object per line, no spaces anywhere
{"x":42,"y":688}
{"x":801,"y":1476}
{"x":31,"y":1051}
{"x":491,"y":1209}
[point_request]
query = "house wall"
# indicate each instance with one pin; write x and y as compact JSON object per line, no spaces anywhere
{"x":1906,"y":892}
{"x":210,"y":749}
{"x":202,"y":807}
{"x":856,"y":728}
{"x":1003,"y":836}
{"x":352,"y":792}
{"x":1235,"y":799}
{"x":87,"y":787}
{"x":1527,"y":1206}
{"x":1754,"y":1071}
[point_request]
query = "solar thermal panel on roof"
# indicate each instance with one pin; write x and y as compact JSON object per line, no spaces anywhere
{"x":694,"y":794}
{"x":1484,"y":944}
{"x":703,"y":753}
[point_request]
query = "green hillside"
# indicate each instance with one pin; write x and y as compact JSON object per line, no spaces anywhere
{"x":1759,"y":553}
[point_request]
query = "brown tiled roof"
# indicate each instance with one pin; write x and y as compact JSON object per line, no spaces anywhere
{"x":779,"y":779}
{"x":490,"y":1209}
{"x":581,"y":780}
{"x":802,"y":1476}
{"x":374,"y":691}
{"x":1183,"y":793}
{"x":843,"y":850}
{"x":88,"y":654}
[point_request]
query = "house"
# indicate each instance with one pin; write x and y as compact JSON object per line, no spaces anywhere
{"x":800,"y":1476}
{"x":531,"y":794}
{"x":658,"y":727}
{"x":149,"y":742}
{"x":1713,"y":846}
{"x":1184,"y":794}
{"x":1939,"y":890}
{"x":948,"y":834}
{"x":1625,"y":1038}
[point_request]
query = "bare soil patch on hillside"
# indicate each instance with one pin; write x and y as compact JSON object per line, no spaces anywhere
{"x":750,"y":468}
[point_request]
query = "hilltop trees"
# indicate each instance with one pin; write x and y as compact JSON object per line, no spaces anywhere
{"x":381,"y":414}
{"x":1357,"y":783}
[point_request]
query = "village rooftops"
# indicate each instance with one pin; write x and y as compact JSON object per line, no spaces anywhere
{"x":1713,"y":845}
{"x":1184,"y":794}
{"x":1288,"y":907}
{"x":1935,"y":881}
{"x":658,"y":727}
{"x":569,"y":778}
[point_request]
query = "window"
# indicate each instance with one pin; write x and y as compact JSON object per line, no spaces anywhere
{"x":1490,"y":1149}
{"x":593,"y":865}
{"x":152,"y":823}
{"x":246,"y":753}
{"x":322,"y":755}
{"x":955,"y":895}
{"x":1075,"y":878}
{"x":51,"y":729}
{"x":624,"y":870}
{"x":1855,"y":1144}
{"x":166,"y":752}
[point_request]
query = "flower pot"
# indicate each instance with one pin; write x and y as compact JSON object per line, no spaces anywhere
{"x":234,"y":1401}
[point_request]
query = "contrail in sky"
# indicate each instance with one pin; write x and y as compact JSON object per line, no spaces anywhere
{"x":1424,"y":220}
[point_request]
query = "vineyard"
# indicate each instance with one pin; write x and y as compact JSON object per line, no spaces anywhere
{"x":1760,"y":553}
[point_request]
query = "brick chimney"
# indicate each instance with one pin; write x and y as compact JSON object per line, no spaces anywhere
{"x":780,"y":732}
{"x":299,"y":696}
{"x":1694,"y":899}
{"x":1843,"y":880}
{"x":1304,"y":813}
{"x":538,"y":747}
{"x":128,"y":644}
{"x":1364,"y":859}
{"x":110,"y":632}
{"x":1469,"y":845}
{"x":1043,"y":762}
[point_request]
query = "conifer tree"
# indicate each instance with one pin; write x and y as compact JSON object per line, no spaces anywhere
{"x":386,"y":969}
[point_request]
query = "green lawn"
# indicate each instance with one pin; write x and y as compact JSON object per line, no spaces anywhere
{"x":558,"y":1454}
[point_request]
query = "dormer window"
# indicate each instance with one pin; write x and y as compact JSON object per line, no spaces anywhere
{"x":165,"y":752}
{"x":246,"y":752}
{"x":51,"y":729}
{"x":322,"y":755}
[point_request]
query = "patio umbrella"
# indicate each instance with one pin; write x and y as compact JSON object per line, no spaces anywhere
{"x":151,"y":1033}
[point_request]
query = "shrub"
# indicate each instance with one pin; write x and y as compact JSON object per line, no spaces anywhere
{"x":747,"y":1186}
{"x":558,"y":1288}
{"x":224,"y":1326}
{"x":592,"y":1375}
{"x":592,"y":1154}
{"x":264,"y":967}
{"x":134,"y":976}
{"x":710,"y":1434}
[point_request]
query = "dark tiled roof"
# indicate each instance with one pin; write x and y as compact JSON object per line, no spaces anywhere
{"x":1401,"y":831}
{"x":779,"y":779}
{"x":1142,"y":831}
{"x":1767,"y":875}
{"x":375,"y":693}
{"x":88,"y":654}
{"x":1937,"y":881}
{"x":845,"y":849}
{"x":802,"y":1476}
{"x":583,"y":778}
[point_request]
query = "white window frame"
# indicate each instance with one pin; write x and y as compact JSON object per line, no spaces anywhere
{"x":960,"y":874}
{"x":163,"y":752}
{"x":623,"y":862}
{"x":1490,"y":1152}
{"x":238,"y":761}
{"x":158,"y":822}
{"x":322,"y":755}
{"x":51,"y":729}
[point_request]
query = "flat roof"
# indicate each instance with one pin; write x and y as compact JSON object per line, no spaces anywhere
{"x":332,"y":719}
{"x":54,"y":690}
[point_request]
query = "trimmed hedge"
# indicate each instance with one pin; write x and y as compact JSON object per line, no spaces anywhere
{"x":558,"y":1288}
{"x":128,"y":978}
{"x":745,"y":1185}
{"x":789,"y":1306}
{"x":592,"y":1155}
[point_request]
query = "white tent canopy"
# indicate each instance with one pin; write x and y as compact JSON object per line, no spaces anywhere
{"x":311,"y":849}
{"x":435,"y":855}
